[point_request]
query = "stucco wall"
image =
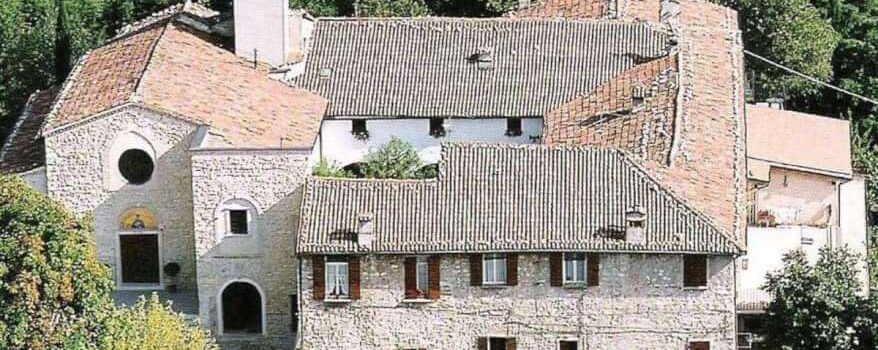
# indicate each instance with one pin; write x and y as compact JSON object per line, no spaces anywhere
{"x":272,"y":181}
{"x":79,"y":164}
{"x":796,"y":197}
{"x":341,"y":147}
{"x":639,"y":305}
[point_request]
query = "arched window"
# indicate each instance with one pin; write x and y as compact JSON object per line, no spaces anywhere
{"x":241,"y":305}
{"x":236,"y":217}
{"x":136,"y":166}
{"x":131,"y":160}
{"x":355,"y":169}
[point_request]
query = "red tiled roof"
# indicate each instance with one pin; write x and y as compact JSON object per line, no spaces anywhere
{"x":173,"y":69}
{"x":566,"y":8}
{"x":24,"y":149}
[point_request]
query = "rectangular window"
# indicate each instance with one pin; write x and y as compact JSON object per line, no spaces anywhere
{"x":238,"y":222}
{"x":699,"y":345}
{"x":694,"y":271}
{"x":358,"y":129}
{"x":337,"y":278}
{"x":513,"y":127}
{"x":294,"y":312}
{"x":568,"y":345}
{"x":574,"y":268}
{"x":437,"y":127}
{"x":494,"y":269}
{"x":423,"y":269}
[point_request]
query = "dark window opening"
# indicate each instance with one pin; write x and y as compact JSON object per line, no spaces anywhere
{"x":242,"y":309}
{"x":699,"y":345}
{"x":355,"y":170}
{"x":437,"y":127}
{"x":694,"y":271}
{"x":429,"y":171}
{"x":358,"y":129}
{"x":568,"y":345}
{"x":238,"y":222}
{"x":136,"y":166}
{"x":294,"y":312}
{"x":513,"y":127}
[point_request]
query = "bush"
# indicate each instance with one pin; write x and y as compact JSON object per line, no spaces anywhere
{"x":396,"y":159}
{"x":326,"y":169}
{"x":53,"y":290}
{"x":152,"y":325}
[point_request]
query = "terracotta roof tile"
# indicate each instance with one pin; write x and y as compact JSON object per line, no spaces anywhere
{"x":566,"y":8}
{"x":24,"y":150}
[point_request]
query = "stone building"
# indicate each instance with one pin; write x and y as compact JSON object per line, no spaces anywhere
{"x":591,"y":161}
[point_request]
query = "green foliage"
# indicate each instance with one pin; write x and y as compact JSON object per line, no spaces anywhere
{"x":152,"y":325}
{"x":53,"y":290}
{"x":384,"y":8}
{"x":792,"y":32}
{"x":816,"y":306}
{"x":326,"y":169}
{"x":396,"y":159}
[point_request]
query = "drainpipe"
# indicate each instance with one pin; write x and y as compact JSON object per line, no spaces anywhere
{"x":299,"y":325}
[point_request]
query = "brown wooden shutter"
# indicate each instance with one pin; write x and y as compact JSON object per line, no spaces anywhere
{"x":354,"y":278}
{"x":556,"y":261}
{"x":483,"y":343}
{"x":318,"y":274}
{"x":511,"y":344}
{"x":511,"y":269}
{"x":694,"y":271}
{"x":593,"y":260}
{"x":434,"y":277}
{"x":475,"y":269}
{"x":699,"y":345}
{"x":411,"y":277}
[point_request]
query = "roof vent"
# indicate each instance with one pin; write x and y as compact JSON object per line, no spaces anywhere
{"x":484,"y":58}
{"x":634,"y":219}
{"x":324,"y":73}
{"x":365,"y":232}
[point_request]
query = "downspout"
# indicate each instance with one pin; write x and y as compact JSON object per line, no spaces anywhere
{"x":299,"y":325}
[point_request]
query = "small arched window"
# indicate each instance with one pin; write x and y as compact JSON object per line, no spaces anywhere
{"x":236,"y":217}
{"x":241,"y":304}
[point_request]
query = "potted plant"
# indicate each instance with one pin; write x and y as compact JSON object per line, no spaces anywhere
{"x":171,"y":272}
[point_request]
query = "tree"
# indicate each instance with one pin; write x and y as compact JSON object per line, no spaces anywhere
{"x":817,"y":306}
{"x":53,"y":290}
{"x":396,"y":159}
{"x":152,"y":325}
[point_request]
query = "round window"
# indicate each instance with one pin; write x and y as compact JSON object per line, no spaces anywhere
{"x":136,"y":166}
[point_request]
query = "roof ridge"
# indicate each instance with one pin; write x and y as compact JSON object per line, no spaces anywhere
{"x":137,"y":96}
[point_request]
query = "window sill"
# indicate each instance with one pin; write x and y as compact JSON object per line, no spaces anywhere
{"x":494,"y":286}
{"x":698,"y":288}
{"x":577,"y":285}
{"x":417,"y":301}
{"x":337,"y":301}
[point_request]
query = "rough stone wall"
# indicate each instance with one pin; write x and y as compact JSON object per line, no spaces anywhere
{"x":272,"y":181}
{"x":607,"y":116}
{"x":640,"y":304}
{"x":77,"y":164}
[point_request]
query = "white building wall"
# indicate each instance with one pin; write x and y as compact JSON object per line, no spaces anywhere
{"x":272,"y":182}
{"x":639,"y":305}
{"x":852,"y":222}
{"x":262,"y":25}
{"x":341,"y":147}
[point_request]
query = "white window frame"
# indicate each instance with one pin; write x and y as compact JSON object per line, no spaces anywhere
{"x":568,"y":341}
{"x":330,"y":284}
{"x":223,"y":218}
{"x":584,"y":263}
{"x":422,"y":270}
{"x":494,"y":271}
{"x":505,"y":338}
{"x":227,"y":213}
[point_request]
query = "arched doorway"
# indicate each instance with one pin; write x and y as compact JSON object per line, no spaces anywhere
{"x":241,"y":309}
{"x":139,"y":250}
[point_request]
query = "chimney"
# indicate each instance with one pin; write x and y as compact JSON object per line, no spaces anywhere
{"x":263,"y":31}
{"x":364,"y":230}
{"x":634,"y":220}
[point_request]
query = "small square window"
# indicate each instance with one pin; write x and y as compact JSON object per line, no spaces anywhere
{"x":568,"y":345}
{"x":437,"y":127}
{"x":497,"y":343}
{"x":494,"y":269}
{"x":359,"y":130}
{"x":337,"y":278}
{"x":574,"y":268}
{"x":694,"y":271}
{"x":513,"y":127}
{"x":238,"y":224}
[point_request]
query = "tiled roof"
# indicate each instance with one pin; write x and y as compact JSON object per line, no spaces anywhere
{"x":174,"y":69}
{"x":566,"y":8}
{"x":507,"y":198}
{"x":798,"y":140}
{"x":24,"y":148}
{"x":428,"y":66}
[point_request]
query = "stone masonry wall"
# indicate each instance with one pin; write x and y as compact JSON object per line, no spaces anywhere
{"x":639,"y":304}
{"x":272,"y":182}
{"x":78,"y":164}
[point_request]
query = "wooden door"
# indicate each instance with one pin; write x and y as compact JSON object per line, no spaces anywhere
{"x":140,"y":258}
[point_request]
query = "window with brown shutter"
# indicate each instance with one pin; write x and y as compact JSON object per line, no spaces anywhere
{"x":699,"y":345}
{"x":694,"y":271}
{"x":483,"y":343}
{"x":475,"y":269}
{"x":318,"y":274}
{"x":410,"y":267}
{"x":434,"y":277}
{"x":511,"y":269}
{"x":511,"y":344}
{"x":594,"y":269}
{"x":354,"y":266}
{"x":555,"y":261}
